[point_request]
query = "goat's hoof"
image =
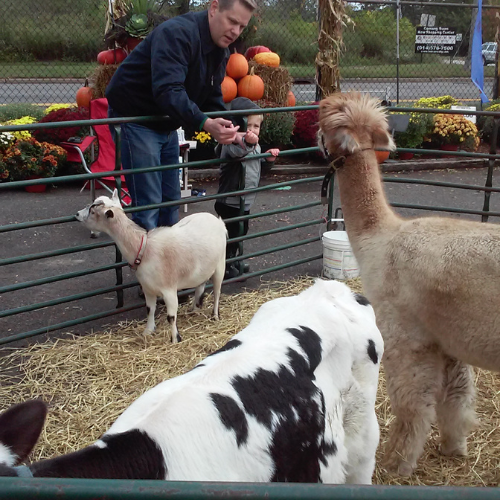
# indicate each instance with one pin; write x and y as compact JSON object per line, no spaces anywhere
{"x":147,"y":332}
{"x":178,"y":339}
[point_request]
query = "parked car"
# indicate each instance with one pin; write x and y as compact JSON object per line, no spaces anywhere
{"x":489,"y":51}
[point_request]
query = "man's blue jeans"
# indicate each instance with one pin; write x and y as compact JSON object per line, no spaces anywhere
{"x":144,"y":147}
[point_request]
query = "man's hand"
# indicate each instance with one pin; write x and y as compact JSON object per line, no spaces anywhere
{"x":275,"y":152}
{"x":222,"y":130}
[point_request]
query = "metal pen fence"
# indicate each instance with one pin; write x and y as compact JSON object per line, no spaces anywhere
{"x":108,"y":278}
{"x":301,"y":231}
{"x":47,"y":51}
{"x":33,"y":290}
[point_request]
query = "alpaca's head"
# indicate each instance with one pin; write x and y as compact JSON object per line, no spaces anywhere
{"x":350,"y":122}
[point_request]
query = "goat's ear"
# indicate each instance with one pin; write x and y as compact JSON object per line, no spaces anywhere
{"x":20,"y":428}
{"x":382,"y":139}
{"x":109,"y":214}
{"x":115,"y":198}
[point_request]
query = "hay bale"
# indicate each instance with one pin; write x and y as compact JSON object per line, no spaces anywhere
{"x":100,"y":78}
{"x":277,"y":82}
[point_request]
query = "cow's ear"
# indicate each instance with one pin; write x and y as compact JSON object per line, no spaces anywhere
{"x":20,"y":427}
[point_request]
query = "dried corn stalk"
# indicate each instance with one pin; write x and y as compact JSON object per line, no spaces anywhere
{"x":332,"y":18}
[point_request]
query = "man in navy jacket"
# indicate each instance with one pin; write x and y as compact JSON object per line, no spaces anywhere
{"x":177,"y":71}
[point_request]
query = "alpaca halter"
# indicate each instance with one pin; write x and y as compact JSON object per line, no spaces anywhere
{"x":335,"y":164}
{"x":140,"y":253}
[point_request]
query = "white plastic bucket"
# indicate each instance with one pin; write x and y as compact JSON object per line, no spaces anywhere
{"x":338,"y":260}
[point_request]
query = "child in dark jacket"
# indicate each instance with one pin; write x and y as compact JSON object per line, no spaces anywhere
{"x":241,"y":171}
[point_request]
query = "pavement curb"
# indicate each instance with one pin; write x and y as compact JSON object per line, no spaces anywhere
{"x":387,"y":167}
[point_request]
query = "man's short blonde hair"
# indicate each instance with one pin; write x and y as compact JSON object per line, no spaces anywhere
{"x":251,"y":5}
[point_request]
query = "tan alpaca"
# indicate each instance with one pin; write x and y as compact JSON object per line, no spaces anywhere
{"x":434,"y":283}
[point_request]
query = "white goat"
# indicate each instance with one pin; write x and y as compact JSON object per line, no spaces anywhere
{"x":434,"y":283}
{"x":166,"y":259}
{"x":291,"y":398}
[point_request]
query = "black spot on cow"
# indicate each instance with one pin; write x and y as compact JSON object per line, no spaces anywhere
{"x":290,"y":405}
{"x":232,"y":344}
{"x":328,"y":449}
{"x":128,"y":455}
{"x":231,"y":416}
{"x":372,"y":351}
{"x":361,"y":299}
{"x":310,"y":342}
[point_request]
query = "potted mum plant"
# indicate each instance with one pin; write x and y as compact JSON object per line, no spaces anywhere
{"x":419,"y":125}
{"x":29,"y":159}
{"x":452,"y":132}
{"x":205,"y":146}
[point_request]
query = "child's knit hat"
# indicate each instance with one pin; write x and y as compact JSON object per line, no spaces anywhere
{"x":240,"y":103}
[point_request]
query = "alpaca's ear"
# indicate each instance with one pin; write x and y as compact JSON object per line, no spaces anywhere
{"x":382,"y":139}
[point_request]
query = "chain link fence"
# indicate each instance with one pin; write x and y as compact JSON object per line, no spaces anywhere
{"x":47,"y":49}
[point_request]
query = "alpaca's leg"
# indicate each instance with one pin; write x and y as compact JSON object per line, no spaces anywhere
{"x":455,"y":408}
{"x":414,"y":379}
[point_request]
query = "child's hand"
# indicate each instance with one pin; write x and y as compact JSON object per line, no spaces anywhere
{"x":251,"y":138}
{"x":275,"y":152}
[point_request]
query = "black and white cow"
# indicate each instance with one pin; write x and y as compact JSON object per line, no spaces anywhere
{"x":290,"y":398}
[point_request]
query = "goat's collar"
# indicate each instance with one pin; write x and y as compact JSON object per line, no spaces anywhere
{"x":23,"y":471}
{"x":140,"y":253}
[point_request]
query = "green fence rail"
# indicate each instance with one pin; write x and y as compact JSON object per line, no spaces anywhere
{"x":93,"y":489}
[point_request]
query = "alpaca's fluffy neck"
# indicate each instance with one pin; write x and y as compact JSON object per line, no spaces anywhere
{"x":362,"y":197}
{"x":127,"y":235}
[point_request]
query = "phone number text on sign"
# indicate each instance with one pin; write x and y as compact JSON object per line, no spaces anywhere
{"x":434,"y":48}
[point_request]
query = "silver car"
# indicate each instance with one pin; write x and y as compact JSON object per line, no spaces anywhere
{"x":489,"y":51}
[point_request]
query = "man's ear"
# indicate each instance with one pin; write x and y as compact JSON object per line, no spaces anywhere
{"x":109,"y":214}
{"x":214,"y":6}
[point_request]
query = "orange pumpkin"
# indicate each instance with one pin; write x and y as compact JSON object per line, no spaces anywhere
{"x":290,"y":99}
{"x":251,"y":87}
{"x":229,"y":89}
{"x":267,"y":59}
{"x":382,"y":155}
{"x":84,"y":95}
{"x":237,"y":66}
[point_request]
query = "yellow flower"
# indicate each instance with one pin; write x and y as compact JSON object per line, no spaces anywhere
{"x":25,"y":120}
{"x":55,"y":107}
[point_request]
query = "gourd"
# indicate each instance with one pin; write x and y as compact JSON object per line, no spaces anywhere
{"x":290,"y":99}
{"x":229,"y":89}
{"x":251,"y":52}
{"x":84,"y":95}
{"x":112,"y":56}
{"x":237,"y":66}
{"x":251,"y":87}
{"x":267,"y":59}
